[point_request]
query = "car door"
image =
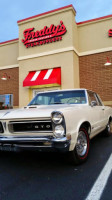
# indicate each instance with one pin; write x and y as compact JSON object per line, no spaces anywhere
{"x":103,"y":112}
{"x":97,"y":113}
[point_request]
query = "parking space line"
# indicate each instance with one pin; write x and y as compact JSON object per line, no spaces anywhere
{"x":101,"y":181}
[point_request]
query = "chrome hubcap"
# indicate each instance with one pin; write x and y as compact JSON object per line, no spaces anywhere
{"x":110,"y":127}
{"x":81,"y":145}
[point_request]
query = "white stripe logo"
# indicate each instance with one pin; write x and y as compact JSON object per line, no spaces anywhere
{"x":35,"y":76}
{"x":48,"y":74}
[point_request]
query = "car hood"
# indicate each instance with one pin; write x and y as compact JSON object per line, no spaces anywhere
{"x":40,"y":111}
{"x":5,"y":112}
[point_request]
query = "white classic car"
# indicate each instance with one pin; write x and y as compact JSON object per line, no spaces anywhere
{"x":62,"y":120}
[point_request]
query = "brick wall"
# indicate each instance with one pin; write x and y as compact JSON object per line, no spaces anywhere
{"x":95,"y":76}
{"x":10,"y":86}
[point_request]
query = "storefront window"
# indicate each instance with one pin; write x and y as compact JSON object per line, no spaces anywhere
{"x":6,"y":101}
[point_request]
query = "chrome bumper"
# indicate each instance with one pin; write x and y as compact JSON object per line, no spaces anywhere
{"x":38,"y":143}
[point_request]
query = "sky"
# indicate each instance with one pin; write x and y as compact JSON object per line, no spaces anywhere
{"x":13,"y":10}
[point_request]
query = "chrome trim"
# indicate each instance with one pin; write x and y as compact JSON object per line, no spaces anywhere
{"x":64,"y":139}
{"x":36,"y":131}
{"x":31,"y":139}
{"x":31,"y":146}
{"x":28,"y":121}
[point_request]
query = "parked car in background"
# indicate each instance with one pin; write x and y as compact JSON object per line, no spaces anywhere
{"x":62,"y":120}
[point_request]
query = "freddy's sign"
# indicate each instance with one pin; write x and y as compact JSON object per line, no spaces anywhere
{"x":110,"y":33}
{"x":44,"y":36}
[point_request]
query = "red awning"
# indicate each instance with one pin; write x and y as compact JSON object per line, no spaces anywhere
{"x":47,"y":77}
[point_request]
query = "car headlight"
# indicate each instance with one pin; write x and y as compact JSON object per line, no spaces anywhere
{"x":57,"y":117}
{"x":59,"y":131}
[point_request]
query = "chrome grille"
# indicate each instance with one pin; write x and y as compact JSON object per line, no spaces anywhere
{"x":30,"y":126}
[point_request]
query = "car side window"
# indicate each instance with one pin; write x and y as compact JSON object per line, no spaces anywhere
{"x":99,"y":101}
{"x":92,"y":97}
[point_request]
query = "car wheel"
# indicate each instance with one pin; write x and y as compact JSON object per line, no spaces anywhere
{"x":108,"y":130}
{"x":81,"y":150}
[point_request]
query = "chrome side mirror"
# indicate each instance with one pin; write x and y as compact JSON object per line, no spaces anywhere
{"x":93,"y":103}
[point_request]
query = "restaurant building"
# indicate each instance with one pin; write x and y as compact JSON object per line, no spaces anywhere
{"x":53,"y":51}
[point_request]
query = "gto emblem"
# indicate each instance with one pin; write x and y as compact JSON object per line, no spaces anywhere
{"x":36,"y":126}
{"x":42,"y":126}
{"x":47,"y":126}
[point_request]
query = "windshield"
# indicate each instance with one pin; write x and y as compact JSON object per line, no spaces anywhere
{"x":59,"y":97}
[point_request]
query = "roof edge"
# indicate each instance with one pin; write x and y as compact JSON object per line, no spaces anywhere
{"x":8,"y":41}
{"x":48,"y":12}
{"x":95,"y":19}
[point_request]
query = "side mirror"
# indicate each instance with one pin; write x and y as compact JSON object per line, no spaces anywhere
{"x":93,"y":103}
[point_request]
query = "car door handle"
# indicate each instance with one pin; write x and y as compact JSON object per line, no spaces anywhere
{"x":103,"y":108}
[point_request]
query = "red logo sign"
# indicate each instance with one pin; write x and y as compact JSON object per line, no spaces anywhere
{"x":110,"y":33}
{"x":44,"y":36}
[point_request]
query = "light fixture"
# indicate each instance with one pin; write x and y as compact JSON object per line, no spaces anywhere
{"x":108,"y":63}
{"x":5,"y":77}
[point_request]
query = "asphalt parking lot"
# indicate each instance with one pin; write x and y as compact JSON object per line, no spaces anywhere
{"x":49,"y":176}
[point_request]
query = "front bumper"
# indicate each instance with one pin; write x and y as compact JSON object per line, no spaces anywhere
{"x":34,"y":143}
